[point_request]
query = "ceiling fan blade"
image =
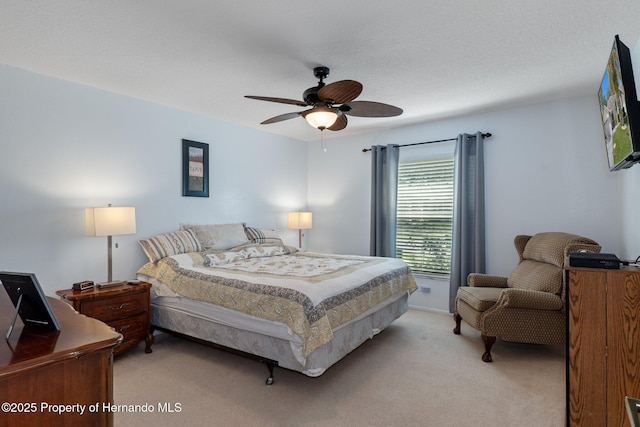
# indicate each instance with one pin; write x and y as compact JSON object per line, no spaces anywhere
{"x":280,"y":100}
{"x":340,"y":92}
{"x":341,"y":123}
{"x":370,"y":109}
{"x":281,"y":118}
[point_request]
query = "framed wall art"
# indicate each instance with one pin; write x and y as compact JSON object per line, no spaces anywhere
{"x":195,"y":168}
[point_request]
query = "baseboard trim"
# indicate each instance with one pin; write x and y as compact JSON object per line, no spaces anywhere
{"x":433,"y":310}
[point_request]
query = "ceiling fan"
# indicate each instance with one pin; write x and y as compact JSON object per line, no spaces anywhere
{"x":331,"y":104}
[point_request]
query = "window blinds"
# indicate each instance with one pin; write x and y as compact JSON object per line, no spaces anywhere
{"x":424,"y":217}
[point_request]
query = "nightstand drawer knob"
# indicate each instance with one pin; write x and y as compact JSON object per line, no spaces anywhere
{"x":113,"y":308}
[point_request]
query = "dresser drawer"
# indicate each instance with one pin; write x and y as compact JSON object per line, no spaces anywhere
{"x":116,"y":308}
{"x":133,"y":330}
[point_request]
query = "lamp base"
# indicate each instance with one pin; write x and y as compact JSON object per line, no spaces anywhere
{"x":110,"y":284}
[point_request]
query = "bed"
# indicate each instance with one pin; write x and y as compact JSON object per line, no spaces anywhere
{"x":251,"y":293}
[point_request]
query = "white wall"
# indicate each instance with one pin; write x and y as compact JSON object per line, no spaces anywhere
{"x":546,"y":170}
{"x":65,"y":147}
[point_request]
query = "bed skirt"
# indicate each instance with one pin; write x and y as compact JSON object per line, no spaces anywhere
{"x":286,"y":352}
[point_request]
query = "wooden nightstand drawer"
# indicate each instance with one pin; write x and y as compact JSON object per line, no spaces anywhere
{"x":115,"y":308}
{"x":132,"y":329}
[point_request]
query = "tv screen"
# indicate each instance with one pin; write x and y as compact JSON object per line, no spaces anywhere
{"x":619,"y":109}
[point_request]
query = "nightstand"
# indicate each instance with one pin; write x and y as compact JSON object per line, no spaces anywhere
{"x":125,"y":308}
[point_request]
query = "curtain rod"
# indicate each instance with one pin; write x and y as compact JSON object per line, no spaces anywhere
{"x":486,"y":135}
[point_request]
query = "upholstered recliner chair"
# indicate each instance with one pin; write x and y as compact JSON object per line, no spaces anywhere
{"x":529,"y":305}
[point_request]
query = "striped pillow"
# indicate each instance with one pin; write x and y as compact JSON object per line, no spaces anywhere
{"x":218,"y":236}
{"x":261,"y":235}
{"x":164,"y":245}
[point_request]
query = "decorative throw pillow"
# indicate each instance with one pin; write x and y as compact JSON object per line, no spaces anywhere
{"x":164,"y":245}
{"x":262,"y":235}
{"x":218,"y":236}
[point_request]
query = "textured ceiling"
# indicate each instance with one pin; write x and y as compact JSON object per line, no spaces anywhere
{"x":433,"y":58}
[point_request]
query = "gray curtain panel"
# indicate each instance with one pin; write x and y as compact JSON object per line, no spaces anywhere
{"x":384,"y":195}
{"x":468,"y":248}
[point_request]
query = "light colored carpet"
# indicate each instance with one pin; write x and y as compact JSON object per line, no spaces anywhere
{"x":415,"y":373}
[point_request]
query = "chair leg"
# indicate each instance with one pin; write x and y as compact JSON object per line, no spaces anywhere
{"x":488,"y":343}
{"x":458,"y":319}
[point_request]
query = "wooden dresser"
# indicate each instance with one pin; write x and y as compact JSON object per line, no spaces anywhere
{"x":39,"y":369}
{"x":125,"y":308}
{"x":603,"y":345}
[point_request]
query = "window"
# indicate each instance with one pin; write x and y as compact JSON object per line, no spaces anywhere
{"x":425,"y":214}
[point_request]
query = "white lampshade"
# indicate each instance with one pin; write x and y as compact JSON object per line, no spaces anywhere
{"x":321,"y":117}
{"x":111,"y":221}
{"x":300,"y":220}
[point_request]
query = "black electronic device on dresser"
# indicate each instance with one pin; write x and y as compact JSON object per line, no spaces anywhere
{"x":83,"y":286}
{"x":593,"y":260}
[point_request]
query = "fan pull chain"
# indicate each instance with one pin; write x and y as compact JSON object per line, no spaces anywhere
{"x":323,"y":144}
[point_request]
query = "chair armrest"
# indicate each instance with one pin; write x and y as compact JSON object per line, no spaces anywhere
{"x":479,"y":280}
{"x":526,"y":298}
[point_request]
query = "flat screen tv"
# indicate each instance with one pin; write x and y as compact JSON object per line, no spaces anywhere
{"x":620,"y":109}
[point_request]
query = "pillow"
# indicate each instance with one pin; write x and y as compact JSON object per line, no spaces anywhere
{"x":164,"y":245}
{"x":218,"y":236}
{"x":550,"y":247}
{"x":536,"y":276}
{"x":262,"y":235}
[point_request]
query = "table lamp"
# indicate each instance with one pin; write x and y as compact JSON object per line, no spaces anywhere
{"x":300,"y":221}
{"x":110,"y":221}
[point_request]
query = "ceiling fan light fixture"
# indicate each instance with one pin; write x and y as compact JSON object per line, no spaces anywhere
{"x":330,"y":104}
{"x":321,"y":117}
